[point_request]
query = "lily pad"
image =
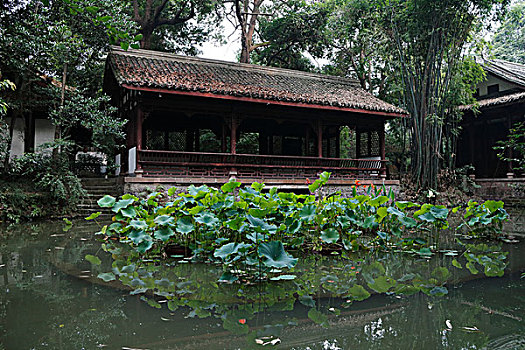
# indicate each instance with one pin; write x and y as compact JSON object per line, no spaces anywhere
{"x":358,"y":292}
{"x":107,"y":276}
{"x":106,"y":201}
{"x":283,"y":278}
{"x":122,"y":204}
{"x":163,"y":233}
{"x":93,"y":216}
{"x":226,"y":250}
{"x":185,"y":225}
{"x":164,"y":220}
{"x":93,"y":259}
{"x":330,"y":235}
{"x":275,"y":256}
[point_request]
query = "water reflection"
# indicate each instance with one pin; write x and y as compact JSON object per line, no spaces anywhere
{"x":43,"y":303}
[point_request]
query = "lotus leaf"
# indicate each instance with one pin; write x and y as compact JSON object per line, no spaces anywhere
{"x":106,"y":202}
{"x":275,"y":256}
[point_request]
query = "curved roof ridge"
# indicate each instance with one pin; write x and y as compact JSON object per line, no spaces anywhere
{"x":145,"y":69}
{"x":234,"y":65}
{"x":510,"y":71}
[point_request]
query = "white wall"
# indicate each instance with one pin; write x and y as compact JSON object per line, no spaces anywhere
{"x":17,"y":144}
{"x":132,"y":160}
{"x":491,"y":80}
{"x":44,"y":132}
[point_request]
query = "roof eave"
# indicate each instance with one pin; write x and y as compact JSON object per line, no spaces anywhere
{"x":387,"y":115}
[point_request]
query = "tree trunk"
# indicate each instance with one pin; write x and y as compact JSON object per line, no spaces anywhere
{"x":10,"y":140}
{"x":58,"y":129}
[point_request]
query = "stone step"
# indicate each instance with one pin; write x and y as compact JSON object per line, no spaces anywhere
{"x":89,"y":211}
{"x":99,"y":187}
{"x":101,"y":194}
{"x":99,"y":179}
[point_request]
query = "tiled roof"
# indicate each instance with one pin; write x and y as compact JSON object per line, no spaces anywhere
{"x":497,"y":101}
{"x":510,"y":71}
{"x":151,"y":69}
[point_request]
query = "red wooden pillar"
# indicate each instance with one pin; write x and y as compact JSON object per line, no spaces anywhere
{"x":140,"y":121}
{"x":382,"y":149}
{"x":197,"y":140}
{"x":223,"y":138}
{"x":338,"y":143}
{"x":307,"y":141}
{"x":319,"y":138}
{"x":357,"y":143}
{"x":233,"y":145}
{"x":233,"y":136}
{"x":510,"y":170}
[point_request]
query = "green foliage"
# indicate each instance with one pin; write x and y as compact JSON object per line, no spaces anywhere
{"x":174,"y":26}
{"x":513,"y":149}
{"x":5,"y":85}
{"x":250,"y":231}
{"x":430,"y":39}
{"x":359,"y":46}
{"x":20,"y":202}
{"x":298,"y":28}
{"x":509,"y":39}
{"x":484,"y":219}
{"x":51,"y":175}
{"x":491,"y":259}
{"x":80,"y":110}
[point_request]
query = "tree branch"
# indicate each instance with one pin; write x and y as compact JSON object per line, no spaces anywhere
{"x":177,"y":19}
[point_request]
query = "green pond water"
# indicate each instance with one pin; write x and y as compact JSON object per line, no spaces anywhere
{"x":51,"y":298}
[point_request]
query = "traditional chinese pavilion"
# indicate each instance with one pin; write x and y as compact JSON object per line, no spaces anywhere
{"x":200,"y":120}
{"x":501,"y":104}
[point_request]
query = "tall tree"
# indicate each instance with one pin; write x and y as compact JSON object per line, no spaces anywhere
{"x":173,"y":25}
{"x":509,"y":39}
{"x":48,"y":44}
{"x":295,"y":28}
{"x":430,"y":37}
{"x":247,"y":14}
{"x":359,"y":46}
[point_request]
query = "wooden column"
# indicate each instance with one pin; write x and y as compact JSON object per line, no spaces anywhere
{"x":307,"y":141}
{"x":263,"y":143}
{"x":223,"y":138}
{"x":357,"y":143}
{"x":369,"y":147}
{"x":510,"y":170}
{"x":140,"y":121}
{"x":382,"y":149}
{"x":166,"y":140}
{"x":197,"y":140}
{"x":233,"y":136}
{"x":338,"y":143}
{"x":189,"y":140}
{"x":319,"y":138}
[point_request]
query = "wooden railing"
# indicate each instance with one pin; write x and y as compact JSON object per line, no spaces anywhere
{"x":172,"y":163}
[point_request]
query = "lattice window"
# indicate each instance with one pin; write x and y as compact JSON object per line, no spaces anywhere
{"x":347,"y":142}
{"x":311,"y":147}
{"x":208,"y":141}
{"x":177,"y":141}
{"x":363,"y":144}
{"x":333,"y":147}
{"x":248,"y":143}
{"x":375,"y":147}
{"x":155,"y":139}
{"x":278,"y":145}
{"x":292,"y":146}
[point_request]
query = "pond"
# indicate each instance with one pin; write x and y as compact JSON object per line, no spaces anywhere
{"x":51,"y":298}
